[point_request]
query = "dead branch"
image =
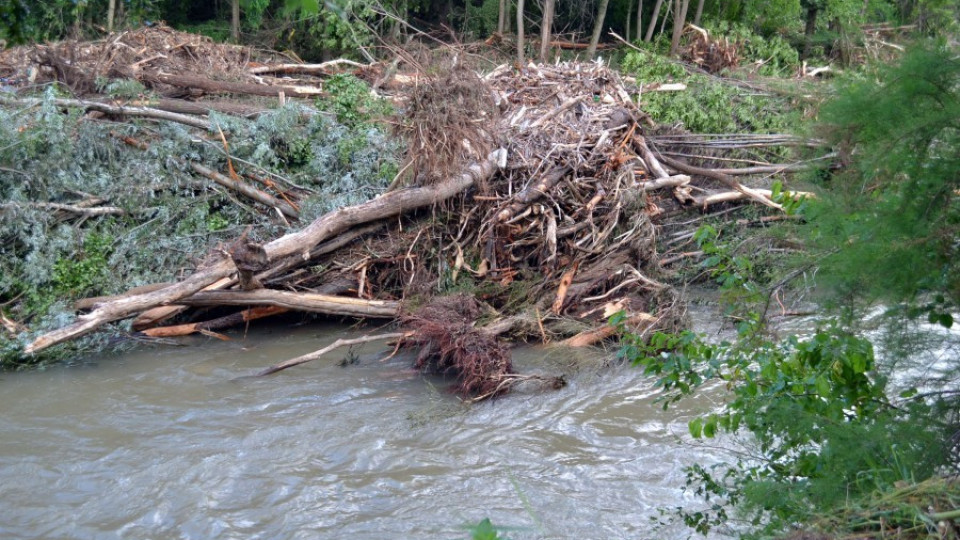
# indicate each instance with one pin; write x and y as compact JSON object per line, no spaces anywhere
{"x":247,"y":190}
{"x":69,"y":208}
{"x":596,"y":335}
{"x":335,"y":345}
{"x":534,"y":192}
{"x":726,"y":179}
{"x":307,"y":69}
{"x":119,"y":110}
{"x":666,"y":181}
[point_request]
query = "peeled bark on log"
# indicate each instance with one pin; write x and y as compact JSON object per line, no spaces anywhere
{"x":157,"y":315}
{"x":302,"y":242}
{"x":228,"y":321}
{"x":310,"y":302}
{"x":225,"y":87}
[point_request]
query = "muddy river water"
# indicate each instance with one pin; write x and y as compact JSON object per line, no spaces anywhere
{"x":169,"y":443}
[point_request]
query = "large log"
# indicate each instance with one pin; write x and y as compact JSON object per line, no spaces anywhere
{"x":226,"y":87}
{"x":297,"y":301}
{"x":300,"y":242}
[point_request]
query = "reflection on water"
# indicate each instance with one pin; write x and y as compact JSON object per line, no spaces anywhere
{"x":168,"y":443}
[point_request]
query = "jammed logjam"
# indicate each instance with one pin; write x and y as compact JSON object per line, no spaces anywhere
{"x":545,"y":238}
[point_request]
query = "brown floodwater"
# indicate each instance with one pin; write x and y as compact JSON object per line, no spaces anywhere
{"x":168,"y":442}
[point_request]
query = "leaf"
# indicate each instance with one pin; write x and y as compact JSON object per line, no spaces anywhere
{"x":945,"y":320}
{"x":696,"y":427}
{"x":823,"y":386}
{"x":710,"y":427}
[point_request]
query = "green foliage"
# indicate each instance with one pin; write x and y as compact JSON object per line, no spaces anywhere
{"x":819,"y":418}
{"x":350,"y":100}
{"x":707,"y":105}
{"x":890,"y":220}
{"x":85,"y":270}
{"x":774,"y":55}
{"x":48,"y":258}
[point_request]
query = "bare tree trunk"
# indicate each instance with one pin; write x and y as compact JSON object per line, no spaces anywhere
{"x":627,"y":29}
{"x":696,"y":18}
{"x":520,"y":43}
{"x":546,"y":29}
{"x":506,"y":16}
{"x":111,"y":12}
{"x":235,"y":20}
{"x":679,"y":18}
{"x":501,"y":16}
{"x":639,"y":25}
{"x":597,"y":28}
{"x":809,"y":30}
{"x":653,"y":21}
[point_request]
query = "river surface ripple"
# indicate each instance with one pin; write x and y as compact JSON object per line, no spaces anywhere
{"x":168,"y":443}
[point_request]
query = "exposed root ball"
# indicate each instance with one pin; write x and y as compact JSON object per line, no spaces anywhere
{"x":450,"y":345}
{"x":448,"y":124}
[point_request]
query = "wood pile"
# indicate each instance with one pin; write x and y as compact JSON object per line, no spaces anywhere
{"x":548,"y":220}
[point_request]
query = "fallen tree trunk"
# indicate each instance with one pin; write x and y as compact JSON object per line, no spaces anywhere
{"x":300,"y":242}
{"x":297,"y":301}
{"x":201,"y":108}
{"x":225,"y":87}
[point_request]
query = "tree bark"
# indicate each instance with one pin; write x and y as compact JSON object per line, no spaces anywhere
{"x":639,"y":25}
{"x":679,"y":19}
{"x":300,"y":242}
{"x":597,"y":28}
{"x":696,"y":17}
{"x":111,"y":13}
{"x":501,"y":16}
{"x":520,"y":43}
{"x":809,"y":29}
{"x":546,"y":29}
{"x":653,"y":21}
{"x":235,"y":20}
{"x":626,"y":30}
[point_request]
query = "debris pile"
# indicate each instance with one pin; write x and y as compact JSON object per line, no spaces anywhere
{"x":529,"y":209}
